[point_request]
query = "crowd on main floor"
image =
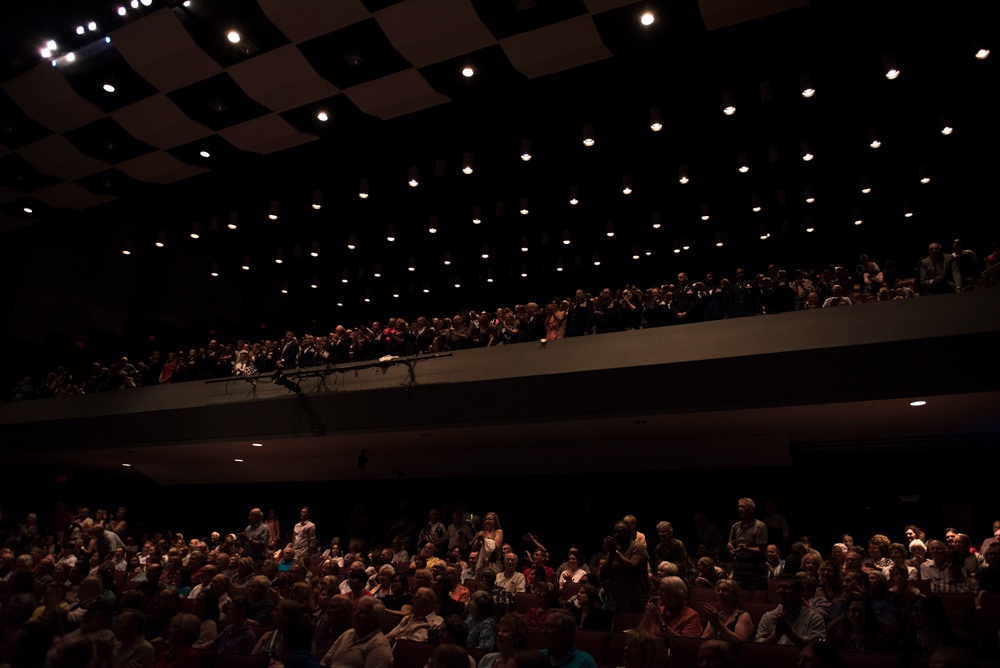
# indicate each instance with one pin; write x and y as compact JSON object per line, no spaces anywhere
{"x":94,"y":592}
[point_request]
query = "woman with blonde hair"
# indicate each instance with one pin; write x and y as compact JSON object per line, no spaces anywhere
{"x":488,"y":541}
{"x":728,"y":622}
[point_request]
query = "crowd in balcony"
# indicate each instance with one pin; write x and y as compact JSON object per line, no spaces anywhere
{"x":715,"y":297}
{"x":82,"y":591}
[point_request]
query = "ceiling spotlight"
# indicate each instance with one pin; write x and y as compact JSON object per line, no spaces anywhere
{"x":273,"y":211}
{"x":574,"y":195}
{"x":45,"y":53}
{"x":810,"y":197}
{"x":982,"y":54}
{"x":352,"y":241}
{"x":588,"y":134}
{"x":946,"y":127}
{"x":215,"y":270}
{"x":524,"y":244}
{"x":323,"y":116}
{"x":467,"y":163}
{"x":233,"y":37}
{"x":127,"y":250}
{"x":925,"y":177}
{"x":205,"y":153}
{"x":134,"y":4}
{"x":414,"y":177}
{"x":195,"y":230}
{"x":391,"y":234}
{"x":807,"y":153}
{"x":806,"y":83}
{"x":51,"y":45}
{"x":234,"y":219}
{"x":109,"y":86}
{"x":647,"y":18}
{"x":70,"y":57}
{"x":865,"y":186}
{"x":755,"y":203}
{"x":704,"y":212}
{"x":890,"y":67}
{"x":432,"y":226}
{"x":411,"y":265}
{"x":344,"y":277}
{"x":566,"y":239}
{"x":524,"y":271}
{"x":655,"y":120}
{"x":279,"y":256}
{"x":363,"y":189}
{"x":526,"y":150}
{"x":377,"y":272}
{"x":682,"y":172}
{"x":317,"y":202}
{"x":477,"y":215}
{"x":92,"y":26}
{"x":161,"y":239}
{"x":314,"y":249}
{"x":656,"y":221}
{"x":743,"y":163}
{"x":610,"y":228}
{"x":246,"y":263}
{"x":728,"y":103}
{"x":635,"y":253}
{"x":28,"y":209}
{"x":627,"y":185}
{"x":447,"y":258}
{"x":597,"y":259}
{"x":80,"y":30}
{"x":486,"y":252}
{"x":122,"y":11}
{"x":524,"y":206}
{"x":918,"y":403}
{"x":873,"y":139}
{"x":468,"y":71}
{"x":146,"y":3}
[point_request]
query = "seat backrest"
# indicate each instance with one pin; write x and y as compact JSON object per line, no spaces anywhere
{"x":759,"y":655}
{"x":594,"y":643}
{"x":411,"y":654}
{"x":626,"y":621}
{"x":684,"y":652}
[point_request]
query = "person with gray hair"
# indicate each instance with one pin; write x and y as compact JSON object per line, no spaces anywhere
{"x":748,"y":546}
{"x":480,"y":620}
{"x":669,"y":548}
{"x":363,"y":646}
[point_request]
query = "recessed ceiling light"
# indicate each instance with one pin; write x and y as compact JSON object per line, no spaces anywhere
{"x":647,"y":18}
{"x":51,"y":45}
{"x":468,"y":71}
{"x":80,"y":30}
{"x":237,"y":460}
{"x":233,"y":37}
{"x":982,"y":54}
{"x":92,"y":26}
{"x":127,"y":465}
{"x":204,"y":153}
{"x":70,"y":57}
{"x":323,"y":116}
{"x":109,"y":87}
{"x":122,"y":11}
{"x":918,"y":403}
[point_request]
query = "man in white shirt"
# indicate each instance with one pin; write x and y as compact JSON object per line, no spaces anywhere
{"x":304,"y":536}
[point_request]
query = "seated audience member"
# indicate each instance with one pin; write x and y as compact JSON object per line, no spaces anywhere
{"x":260,"y":599}
{"x":482,"y":634}
{"x":512,"y":636}
{"x":829,"y":582}
{"x":509,"y":578}
{"x":927,"y":629}
{"x":935,"y":567}
{"x":269,"y":644}
{"x":813,"y":598}
{"x":861,"y":630}
{"x":364,"y":645}
{"x":206,"y":609}
{"x":728,"y":622}
{"x":792,"y":623}
{"x":989,"y":574}
{"x":182,"y":634}
{"x":587,"y":611}
{"x":708,"y":574}
{"x":422,"y":623}
{"x":775,"y":564}
{"x":878,"y":553}
{"x":332,"y":623}
{"x":668,"y":614}
{"x":818,"y":653}
{"x":296,"y":650}
{"x":954,"y":579}
{"x":559,"y":648}
{"x":644,"y":650}
{"x":237,"y":637}
{"x":132,"y":650}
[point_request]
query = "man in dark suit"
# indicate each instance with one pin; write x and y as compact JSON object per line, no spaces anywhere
{"x":937,"y":272}
{"x":289,"y":351}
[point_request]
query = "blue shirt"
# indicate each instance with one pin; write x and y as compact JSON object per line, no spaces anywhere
{"x":575,"y":658}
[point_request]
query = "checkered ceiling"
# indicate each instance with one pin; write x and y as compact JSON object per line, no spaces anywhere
{"x":387,"y":75}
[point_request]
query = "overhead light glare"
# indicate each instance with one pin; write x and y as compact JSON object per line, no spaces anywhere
{"x":468,"y":72}
{"x":70,"y":57}
{"x":918,"y":403}
{"x":982,"y":54}
{"x":322,"y":116}
{"x":122,"y":11}
{"x":109,"y":87}
{"x":80,"y":30}
{"x":947,"y":130}
{"x":233,"y":37}
{"x":92,"y":26}
{"x":647,"y":18}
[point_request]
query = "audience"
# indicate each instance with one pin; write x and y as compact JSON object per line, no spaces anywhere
{"x":626,"y":308}
{"x":68,"y":613}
